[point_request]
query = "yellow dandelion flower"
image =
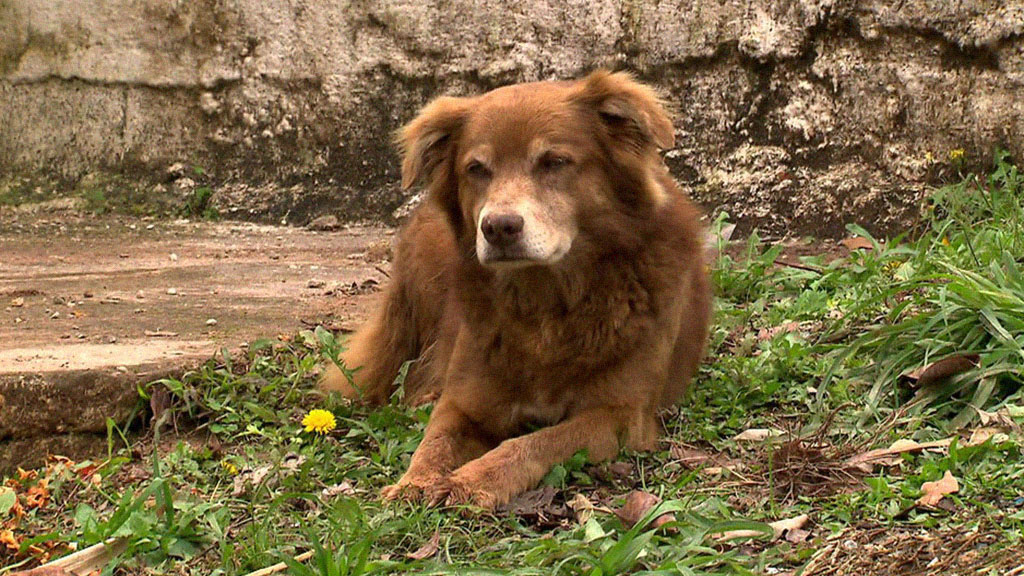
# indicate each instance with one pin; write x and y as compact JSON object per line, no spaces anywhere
{"x":928,"y":157}
{"x":945,"y":241}
{"x":229,"y":467}
{"x":319,"y":421}
{"x":956,"y":154}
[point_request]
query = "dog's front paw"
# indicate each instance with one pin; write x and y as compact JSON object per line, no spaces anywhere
{"x":416,"y":489}
{"x":459,"y":490}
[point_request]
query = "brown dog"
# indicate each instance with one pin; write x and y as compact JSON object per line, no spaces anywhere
{"x":552,"y":288}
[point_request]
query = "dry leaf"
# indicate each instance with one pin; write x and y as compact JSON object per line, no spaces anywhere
{"x":8,"y":539}
{"x":428,"y":549}
{"x":539,"y":507}
{"x":779,"y":527}
{"x":690,"y":457}
{"x":890,"y":456}
{"x":783,"y":526}
{"x":857,"y":243}
{"x":344,"y":488}
{"x":292,"y":462}
{"x":982,"y":435}
{"x":941,"y":370}
{"x":249,"y":477}
{"x":1000,"y":419}
{"x":757,"y":435}
{"x":693,"y":459}
{"x":37,"y":496}
{"x":726,"y":232}
{"x":797,"y":536}
{"x":933,"y":492}
{"x":160,"y":401}
{"x":637,"y":504}
{"x":769,"y":333}
{"x":582,"y":507}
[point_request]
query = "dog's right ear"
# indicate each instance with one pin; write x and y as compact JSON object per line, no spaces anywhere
{"x":428,"y":141}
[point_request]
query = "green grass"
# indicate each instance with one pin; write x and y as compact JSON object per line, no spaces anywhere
{"x":228,"y":482}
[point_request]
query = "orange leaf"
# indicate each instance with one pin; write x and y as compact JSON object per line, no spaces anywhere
{"x":933,"y":492}
{"x":7,"y":538}
{"x":636,"y":506}
{"x":769,"y":333}
{"x":857,"y":243}
{"x":37,"y":496}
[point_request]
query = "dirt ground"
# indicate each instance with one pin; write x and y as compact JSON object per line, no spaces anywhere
{"x":90,"y":307}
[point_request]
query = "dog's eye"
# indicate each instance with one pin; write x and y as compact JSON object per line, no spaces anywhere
{"x":477,"y":169}
{"x":552,"y":162}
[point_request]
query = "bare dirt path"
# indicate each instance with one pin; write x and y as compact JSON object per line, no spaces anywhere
{"x":91,"y":307}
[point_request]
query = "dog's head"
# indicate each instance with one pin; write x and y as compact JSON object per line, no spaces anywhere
{"x":518,"y":169}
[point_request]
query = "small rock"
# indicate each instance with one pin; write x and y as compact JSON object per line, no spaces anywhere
{"x":211,"y":322}
{"x":55,"y":315}
{"x":87,"y":294}
{"x":140,"y":294}
{"x":208,"y":103}
{"x":172,"y":291}
{"x":324,"y":223}
{"x":112,"y":340}
{"x":315,"y":284}
{"x":18,"y":302}
{"x":174,"y":257}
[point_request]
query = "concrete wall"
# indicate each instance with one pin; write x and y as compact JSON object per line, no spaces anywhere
{"x":796,"y":114}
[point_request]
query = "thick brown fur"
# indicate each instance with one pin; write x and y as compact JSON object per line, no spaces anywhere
{"x":581,"y":345}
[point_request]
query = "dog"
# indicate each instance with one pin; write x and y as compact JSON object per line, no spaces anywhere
{"x":551,"y":289}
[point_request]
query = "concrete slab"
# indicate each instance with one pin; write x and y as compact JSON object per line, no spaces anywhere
{"x":91,"y":307}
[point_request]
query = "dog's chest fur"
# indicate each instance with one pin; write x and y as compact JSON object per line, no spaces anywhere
{"x":545,"y":338}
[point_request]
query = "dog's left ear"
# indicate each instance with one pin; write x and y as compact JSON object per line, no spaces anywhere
{"x":427,"y":142}
{"x":631,"y":111}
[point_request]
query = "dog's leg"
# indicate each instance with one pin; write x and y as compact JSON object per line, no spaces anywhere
{"x":520,"y":463}
{"x":450,"y":440}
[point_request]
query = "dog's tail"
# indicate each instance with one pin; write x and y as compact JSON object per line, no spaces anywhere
{"x":375,"y":354}
{"x":407,"y":324}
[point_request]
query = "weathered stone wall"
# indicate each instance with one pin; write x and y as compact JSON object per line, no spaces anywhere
{"x":796,"y":114}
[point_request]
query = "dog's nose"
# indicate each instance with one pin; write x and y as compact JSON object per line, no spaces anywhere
{"x":502,"y":230}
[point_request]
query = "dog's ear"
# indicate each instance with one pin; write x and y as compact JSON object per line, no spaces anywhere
{"x":427,"y":142}
{"x":631,"y":111}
